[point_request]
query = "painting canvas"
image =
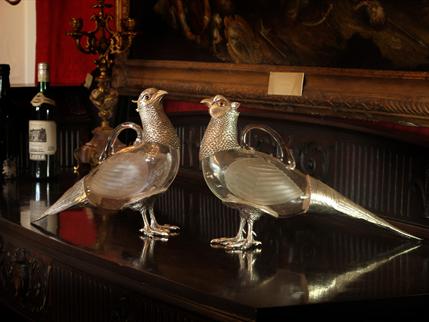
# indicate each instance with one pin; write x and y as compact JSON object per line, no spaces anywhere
{"x":389,"y":35}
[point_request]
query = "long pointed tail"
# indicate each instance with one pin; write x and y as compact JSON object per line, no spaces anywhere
{"x":72,"y":197}
{"x":324,"y":199}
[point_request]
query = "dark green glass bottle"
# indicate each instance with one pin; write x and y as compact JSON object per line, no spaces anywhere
{"x":8,"y":141}
{"x":42,"y":130}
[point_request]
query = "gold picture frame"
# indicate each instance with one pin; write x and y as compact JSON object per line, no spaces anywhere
{"x":386,"y":95}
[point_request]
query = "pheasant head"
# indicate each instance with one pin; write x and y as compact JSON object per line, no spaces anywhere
{"x":221,"y":133}
{"x":219,"y":106}
{"x":150,"y":97}
{"x":155,"y":123}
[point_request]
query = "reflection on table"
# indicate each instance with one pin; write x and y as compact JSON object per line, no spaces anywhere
{"x":304,"y":260}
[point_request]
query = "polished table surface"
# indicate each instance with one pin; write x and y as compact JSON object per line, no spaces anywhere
{"x":310,"y":259}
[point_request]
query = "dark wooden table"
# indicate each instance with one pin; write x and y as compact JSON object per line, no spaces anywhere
{"x":91,"y":265}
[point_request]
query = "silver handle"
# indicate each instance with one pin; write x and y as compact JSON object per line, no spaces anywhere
{"x":285,"y":154}
{"x":109,"y":148}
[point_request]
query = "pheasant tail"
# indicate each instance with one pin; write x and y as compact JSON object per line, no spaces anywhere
{"x":324,"y":199}
{"x":72,"y":197}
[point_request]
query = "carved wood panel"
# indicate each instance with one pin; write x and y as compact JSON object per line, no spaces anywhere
{"x":24,"y":279}
{"x":53,"y":291}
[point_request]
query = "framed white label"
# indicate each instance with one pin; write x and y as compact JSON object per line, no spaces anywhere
{"x":285,"y":83}
{"x":42,"y":139}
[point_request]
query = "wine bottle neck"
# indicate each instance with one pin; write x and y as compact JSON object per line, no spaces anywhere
{"x":43,"y":86}
{"x":4,"y":79}
{"x":4,"y":85}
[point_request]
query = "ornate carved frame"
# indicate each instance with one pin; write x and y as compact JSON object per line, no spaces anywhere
{"x":393,"y":96}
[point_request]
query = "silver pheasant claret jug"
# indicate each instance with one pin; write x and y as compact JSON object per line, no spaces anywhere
{"x":256,"y":183}
{"x":133,"y":176}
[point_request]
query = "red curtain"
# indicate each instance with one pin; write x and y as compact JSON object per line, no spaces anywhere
{"x":68,"y":65}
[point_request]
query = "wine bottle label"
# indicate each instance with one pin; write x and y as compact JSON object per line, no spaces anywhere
{"x":42,"y":139}
{"x":40,"y":99}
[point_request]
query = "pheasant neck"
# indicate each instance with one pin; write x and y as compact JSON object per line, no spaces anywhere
{"x":220,"y":135}
{"x":157,"y":127}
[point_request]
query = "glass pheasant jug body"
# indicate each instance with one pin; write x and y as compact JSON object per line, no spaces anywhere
{"x":134,"y":173}
{"x":244,"y":177}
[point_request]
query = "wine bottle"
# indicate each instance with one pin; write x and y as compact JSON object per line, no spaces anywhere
{"x":43,"y":129}
{"x":8,"y":142}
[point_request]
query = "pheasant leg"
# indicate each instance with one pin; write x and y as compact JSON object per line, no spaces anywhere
{"x":247,"y":243}
{"x":147,"y":230}
{"x":224,"y":241}
{"x":154,"y":224}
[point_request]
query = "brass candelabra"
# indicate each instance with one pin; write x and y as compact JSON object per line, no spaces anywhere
{"x":106,"y":44}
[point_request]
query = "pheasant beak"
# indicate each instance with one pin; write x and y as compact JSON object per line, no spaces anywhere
{"x":207,"y":101}
{"x":160,"y":94}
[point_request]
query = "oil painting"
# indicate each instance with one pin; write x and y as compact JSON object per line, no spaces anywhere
{"x":370,"y":34}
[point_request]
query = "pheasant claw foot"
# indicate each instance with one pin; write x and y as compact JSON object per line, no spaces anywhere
{"x":223,"y":241}
{"x":155,"y":232}
{"x":169,"y":228}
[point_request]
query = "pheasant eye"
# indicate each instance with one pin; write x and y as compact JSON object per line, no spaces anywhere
{"x":146,"y":97}
{"x":222,"y":104}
